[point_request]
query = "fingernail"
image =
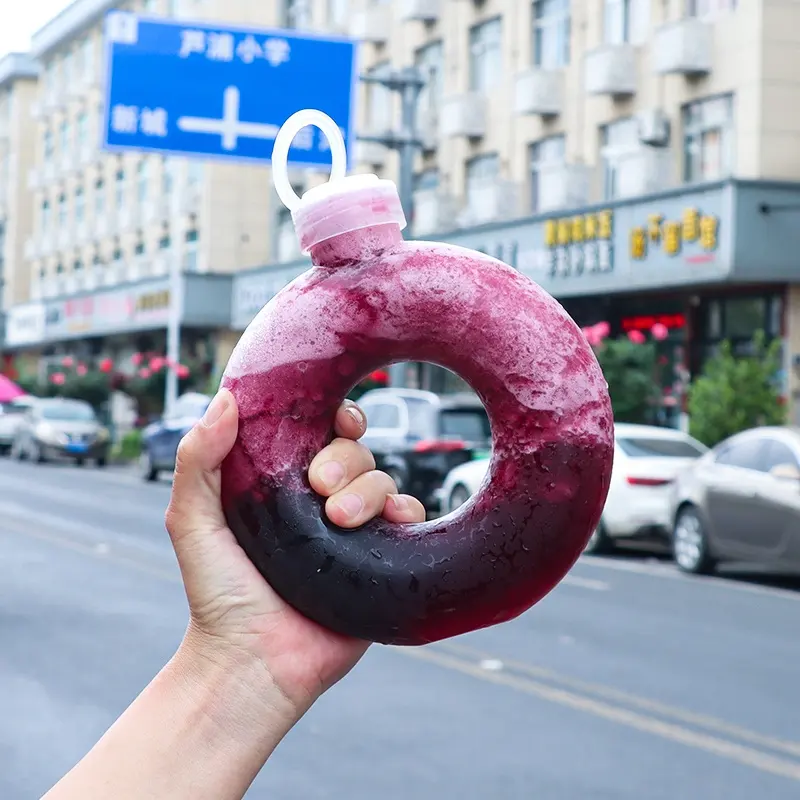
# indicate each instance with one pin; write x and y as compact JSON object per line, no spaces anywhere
{"x":400,"y":502}
{"x":331,"y":473}
{"x":357,"y":414}
{"x":216,"y":408}
{"x":350,"y":505}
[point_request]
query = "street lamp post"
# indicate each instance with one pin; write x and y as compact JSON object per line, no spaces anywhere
{"x":409,"y":82}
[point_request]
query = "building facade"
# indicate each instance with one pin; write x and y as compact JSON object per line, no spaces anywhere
{"x":618,"y":151}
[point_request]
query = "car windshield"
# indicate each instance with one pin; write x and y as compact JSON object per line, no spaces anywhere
{"x":13,"y":408}
{"x":642,"y":447}
{"x":470,"y":424}
{"x":67,"y":412}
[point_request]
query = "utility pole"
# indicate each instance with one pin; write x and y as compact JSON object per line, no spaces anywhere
{"x":409,"y":83}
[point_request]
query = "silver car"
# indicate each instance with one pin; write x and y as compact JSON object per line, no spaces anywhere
{"x":12,"y":414}
{"x":59,"y":428}
{"x":741,"y":502}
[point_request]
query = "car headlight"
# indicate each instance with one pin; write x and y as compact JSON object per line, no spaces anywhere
{"x":47,"y":433}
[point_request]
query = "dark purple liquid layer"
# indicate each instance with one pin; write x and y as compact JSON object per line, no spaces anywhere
{"x":552,"y":432}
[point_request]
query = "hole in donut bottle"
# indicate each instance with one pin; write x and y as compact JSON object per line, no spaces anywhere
{"x":373,"y":299}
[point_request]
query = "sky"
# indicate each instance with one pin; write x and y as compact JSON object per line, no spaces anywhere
{"x":28,"y":16}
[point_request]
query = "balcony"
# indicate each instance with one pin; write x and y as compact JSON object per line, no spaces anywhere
{"x":683,"y":48}
{"x":434,"y":211}
{"x":51,"y":287}
{"x":82,"y":233}
{"x":65,"y":238}
{"x":46,"y":245}
{"x":642,"y":170}
{"x":611,"y":70}
{"x":493,"y":201}
{"x":86,"y":155}
{"x":562,"y":186}
{"x":137,"y":268}
{"x":113,"y":273}
{"x":160,"y":263}
{"x":188,"y":198}
{"x":427,"y":11}
{"x":539,"y":91}
{"x":48,"y":172}
{"x":373,"y":24}
{"x":373,"y":154}
{"x":428,"y":128}
{"x":129,"y":218}
{"x":67,"y":163}
{"x":463,"y":115}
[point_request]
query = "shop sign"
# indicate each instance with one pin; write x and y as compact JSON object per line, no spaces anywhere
{"x":674,"y":236}
{"x":105,"y":312}
{"x":581,"y":244}
{"x":25,"y":325}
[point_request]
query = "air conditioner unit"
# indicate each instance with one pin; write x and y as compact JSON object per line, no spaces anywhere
{"x":654,"y":128}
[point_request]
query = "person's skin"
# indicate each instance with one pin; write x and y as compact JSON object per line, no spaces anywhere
{"x":249,"y":665}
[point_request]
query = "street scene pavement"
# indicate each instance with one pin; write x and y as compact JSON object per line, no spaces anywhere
{"x":629,"y":681}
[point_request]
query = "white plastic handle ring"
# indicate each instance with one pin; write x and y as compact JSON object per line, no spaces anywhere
{"x":283,"y":141}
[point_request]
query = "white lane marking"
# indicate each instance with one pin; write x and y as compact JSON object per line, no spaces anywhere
{"x":586,"y":583}
{"x":671,"y":572}
{"x":491,"y":664}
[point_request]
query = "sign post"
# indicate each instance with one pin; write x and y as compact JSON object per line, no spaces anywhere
{"x":217,"y":91}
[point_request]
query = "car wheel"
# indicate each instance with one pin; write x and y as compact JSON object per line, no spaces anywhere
{"x":600,"y":543}
{"x":690,"y":543}
{"x":458,"y":497}
{"x":17,"y":452}
{"x":146,"y":468}
{"x":101,"y":462}
{"x":79,"y":462}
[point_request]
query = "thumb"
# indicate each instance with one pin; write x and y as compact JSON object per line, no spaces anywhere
{"x":195,"y":508}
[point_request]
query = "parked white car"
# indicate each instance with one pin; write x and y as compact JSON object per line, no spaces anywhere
{"x":646,"y":462}
{"x":12,"y":414}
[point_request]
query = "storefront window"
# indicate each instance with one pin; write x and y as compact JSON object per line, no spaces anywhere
{"x":708,"y":139}
{"x":551,"y":32}
{"x":545,"y":153}
{"x":485,"y":55}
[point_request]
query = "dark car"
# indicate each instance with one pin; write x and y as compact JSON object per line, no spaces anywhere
{"x":418,"y":437}
{"x":161,"y":439}
{"x":60,"y":428}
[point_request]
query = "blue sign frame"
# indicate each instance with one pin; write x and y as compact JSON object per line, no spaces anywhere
{"x":216,"y":91}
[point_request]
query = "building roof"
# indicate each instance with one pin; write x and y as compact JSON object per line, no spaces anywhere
{"x":15,"y":66}
{"x":76,"y":17}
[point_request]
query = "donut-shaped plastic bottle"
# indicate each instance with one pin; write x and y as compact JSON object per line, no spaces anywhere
{"x":371,"y":299}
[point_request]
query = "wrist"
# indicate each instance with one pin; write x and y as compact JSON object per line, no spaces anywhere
{"x":235,"y":693}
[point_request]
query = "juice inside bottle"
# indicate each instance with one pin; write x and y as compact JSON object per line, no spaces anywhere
{"x":370,"y":299}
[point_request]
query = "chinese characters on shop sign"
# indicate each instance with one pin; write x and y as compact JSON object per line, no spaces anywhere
{"x":580,"y":244}
{"x":671,"y":235}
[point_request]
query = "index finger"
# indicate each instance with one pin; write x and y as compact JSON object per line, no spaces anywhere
{"x":351,"y":422}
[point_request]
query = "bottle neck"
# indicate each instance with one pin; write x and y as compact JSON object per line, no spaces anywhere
{"x":355,"y":246}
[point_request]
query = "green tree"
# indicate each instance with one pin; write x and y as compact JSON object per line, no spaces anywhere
{"x":630,"y":371}
{"x":734,"y":393}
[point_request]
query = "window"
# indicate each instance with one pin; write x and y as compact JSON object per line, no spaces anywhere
{"x":66,"y":69}
{"x":430,"y":62}
{"x":195,"y":173}
{"x":48,"y":145}
{"x":709,"y":8}
{"x":59,"y":268}
{"x":286,"y":238}
{"x":150,"y":6}
{"x":83,"y":127}
{"x":119,"y":190}
{"x":777,"y":454}
{"x":166,"y":176}
{"x":190,"y":259}
{"x":99,"y":197}
{"x":165,"y":242}
{"x":485,"y":55}
{"x":116,"y":255}
{"x":616,"y":21}
{"x":62,"y":210}
{"x":63,"y":136}
{"x":384,"y":415}
{"x":172,"y":8}
{"x":338,"y":13}
{"x":708,"y":139}
{"x":139,"y":248}
{"x":142,"y":177}
{"x":80,"y":204}
{"x":481,"y":170}
{"x":620,"y":139}
{"x":545,"y":153}
{"x":746,"y":455}
{"x":97,"y":261}
{"x":379,"y":101}
{"x":551,"y":32}
{"x":426,"y":180}
{"x":77,"y":265}
{"x":45,"y":216}
{"x":636,"y":447}
{"x":297,"y":13}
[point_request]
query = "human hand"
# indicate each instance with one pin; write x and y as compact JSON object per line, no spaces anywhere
{"x":236,"y":619}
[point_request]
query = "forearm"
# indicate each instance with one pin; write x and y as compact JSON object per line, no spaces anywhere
{"x":201,"y":729}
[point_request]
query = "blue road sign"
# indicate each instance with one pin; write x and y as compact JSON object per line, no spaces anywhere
{"x":219,"y":91}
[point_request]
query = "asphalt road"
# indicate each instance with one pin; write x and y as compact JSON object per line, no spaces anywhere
{"x":629,"y":681}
